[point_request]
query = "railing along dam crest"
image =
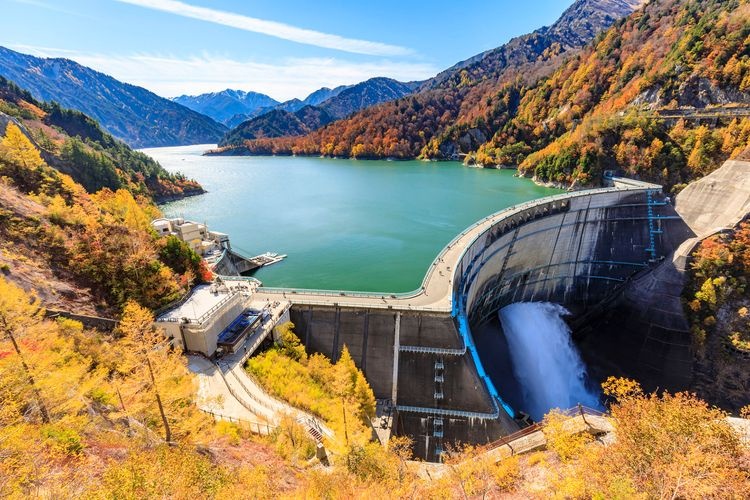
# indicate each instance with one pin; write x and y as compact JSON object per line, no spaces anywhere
{"x":573,"y":249}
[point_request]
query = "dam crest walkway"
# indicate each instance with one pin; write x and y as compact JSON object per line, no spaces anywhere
{"x":436,"y":291}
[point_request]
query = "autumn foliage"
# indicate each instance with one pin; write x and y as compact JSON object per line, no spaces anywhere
{"x":336,"y":392}
{"x":717,"y":304}
{"x":101,"y":241}
{"x":76,"y":145}
{"x":568,"y":120}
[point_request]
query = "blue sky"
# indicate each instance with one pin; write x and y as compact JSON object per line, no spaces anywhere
{"x":284,"y":48}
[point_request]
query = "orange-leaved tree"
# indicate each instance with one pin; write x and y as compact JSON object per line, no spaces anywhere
{"x":665,"y":446}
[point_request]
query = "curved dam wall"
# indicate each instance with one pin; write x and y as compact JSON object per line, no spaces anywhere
{"x":581,"y":251}
{"x":420,"y":352}
{"x":571,"y":251}
{"x":646,"y":328}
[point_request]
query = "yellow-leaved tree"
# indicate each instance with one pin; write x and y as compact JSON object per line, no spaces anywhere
{"x":21,"y":162}
{"x":154,"y":381}
{"x":45,"y":394}
{"x":16,"y":148}
{"x":19,"y":312}
{"x":665,"y":446}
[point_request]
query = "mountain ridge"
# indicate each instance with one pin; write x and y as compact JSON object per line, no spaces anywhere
{"x":72,"y":143}
{"x":574,"y":28}
{"x":131,"y":113}
{"x":568,"y":116}
{"x":225,"y":104}
{"x":294,"y":117}
{"x":292,"y":105}
{"x":439,"y":102}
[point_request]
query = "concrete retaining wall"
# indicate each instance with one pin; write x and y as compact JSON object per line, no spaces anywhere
{"x":719,"y":200}
{"x":96,"y":322}
{"x":369,"y":334}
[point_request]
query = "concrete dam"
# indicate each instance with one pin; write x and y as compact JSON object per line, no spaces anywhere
{"x":436,"y":357}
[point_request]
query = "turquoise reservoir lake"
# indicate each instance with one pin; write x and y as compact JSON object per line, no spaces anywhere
{"x":344,"y":224}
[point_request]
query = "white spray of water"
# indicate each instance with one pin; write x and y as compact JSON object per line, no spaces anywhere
{"x":545,"y":360}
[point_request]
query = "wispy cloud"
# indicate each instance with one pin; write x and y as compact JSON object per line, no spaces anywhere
{"x":169,"y":76}
{"x":48,"y":6}
{"x":273,"y":28}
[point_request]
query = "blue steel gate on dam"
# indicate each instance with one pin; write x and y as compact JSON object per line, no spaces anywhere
{"x":418,"y":351}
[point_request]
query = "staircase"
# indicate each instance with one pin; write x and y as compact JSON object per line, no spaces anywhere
{"x":253,"y":397}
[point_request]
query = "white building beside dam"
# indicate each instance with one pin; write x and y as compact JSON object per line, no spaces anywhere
{"x":221,"y":318}
{"x":214,"y":247}
{"x":196,"y":235}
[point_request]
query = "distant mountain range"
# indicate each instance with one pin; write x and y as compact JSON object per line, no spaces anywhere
{"x":222,"y":106}
{"x":232,"y":107}
{"x":295,"y":117}
{"x":133,"y":114}
{"x":437,"y":120}
{"x":143,"y":119}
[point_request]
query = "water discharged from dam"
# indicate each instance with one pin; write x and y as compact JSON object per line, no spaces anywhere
{"x":545,"y":361}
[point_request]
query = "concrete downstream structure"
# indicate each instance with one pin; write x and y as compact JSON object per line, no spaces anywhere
{"x":433,"y":352}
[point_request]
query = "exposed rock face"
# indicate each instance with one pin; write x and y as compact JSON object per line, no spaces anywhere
{"x":472,"y":139}
{"x":696,"y":92}
{"x":577,"y":26}
{"x":585,"y":18}
{"x":133,"y":114}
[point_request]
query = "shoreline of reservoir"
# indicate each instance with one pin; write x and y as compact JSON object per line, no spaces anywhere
{"x":348,"y":225}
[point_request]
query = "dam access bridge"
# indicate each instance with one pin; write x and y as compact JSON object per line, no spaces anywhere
{"x":424,"y":352}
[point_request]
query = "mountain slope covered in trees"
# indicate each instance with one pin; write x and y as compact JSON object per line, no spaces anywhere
{"x":566,"y":116}
{"x":300,"y":118}
{"x":278,"y":123}
{"x":603,"y":110}
{"x":81,"y":251}
{"x":76,"y":145}
{"x":401,"y":128}
{"x":133,"y":114}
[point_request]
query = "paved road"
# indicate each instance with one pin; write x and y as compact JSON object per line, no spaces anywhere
{"x":213,"y":393}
